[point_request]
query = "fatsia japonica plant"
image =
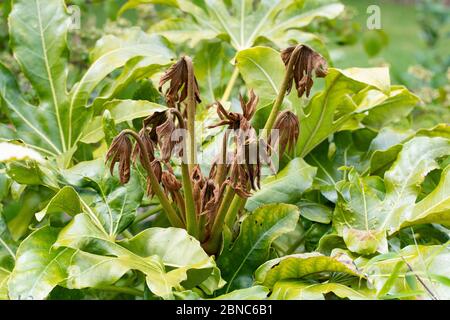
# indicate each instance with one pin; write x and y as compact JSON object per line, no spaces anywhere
{"x":217,"y":155}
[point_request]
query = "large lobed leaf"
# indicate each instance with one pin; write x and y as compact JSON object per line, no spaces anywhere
{"x":38,"y":31}
{"x":286,"y":186}
{"x":369,"y":209}
{"x":241,"y":22}
{"x":258,"y":230}
{"x":413,"y":272}
{"x":298,"y":266}
{"x":84,"y":256}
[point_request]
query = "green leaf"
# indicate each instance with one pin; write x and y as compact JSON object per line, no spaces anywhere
{"x":294,"y":290}
{"x":241,"y":22}
{"x":131,"y":4}
{"x":35,"y":126}
{"x":66,"y":200}
{"x":332,"y":159}
{"x":356,"y":216}
{"x":178,"y":250}
{"x":251,"y":248}
{"x":286,"y":186}
{"x":149,"y":252}
{"x":402,"y":181}
{"x":150,"y":56}
{"x":212,"y":69}
{"x":315,"y":211}
{"x":252,"y":293}
{"x":38,"y":31}
{"x":23,"y":209}
{"x":7,"y":257}
{"x":428,"y":263}
{"x":262,"y":70}
{"x":369,"y":209}
{"x":114,"y":205}
{"x":298,"y":266}
{"x":435,"y":207}
{"x":278,"y":32}
{"x":179,"y":30}
{"x":121,"y":111}
{"x":4,"y":277}
{"x":394,"y":106}
{"x":328,"y":110}
{"x":39,"y":267}
{"x":109,"y":127}
{"x":384,"y":149}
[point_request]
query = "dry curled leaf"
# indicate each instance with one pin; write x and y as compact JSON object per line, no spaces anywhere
{"x":120,"y":151}
{"x":165,"y":138}
{"x":180,"y":75}
{"x":306,"y":62}
{"x":288,"y":128}
{"x":149,"y":146}
{"x":170,"y":182}
{"x":157,"y":170}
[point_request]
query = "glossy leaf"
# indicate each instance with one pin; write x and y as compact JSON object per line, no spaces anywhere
{"x":240,"y":21}
{"x":328,"y":110}
{"x":252,"y":293}
{"x":369,"y":209}
{"x":262,"y":70}
{"x":251,"y":248}
{"x":113,"y":204}
{"x":295,"y":290}
{"x":121,"y":111}
{"x":435,"y":207}
{"x":298,"y":266}
{"x":38,"y":32}
{"x":286,"y":186}
{"x":66,"y":200}
{"x":148,"y":252}
{"x":39,"y":267}
{"x":427,"y":263}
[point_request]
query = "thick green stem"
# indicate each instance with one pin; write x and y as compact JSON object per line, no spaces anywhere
{"x":230,"y":85}
{"x":221,"y":173}
{"x":213,"y":242}
{"x":191,"y":216}
{"x":165,"y":203}
{"x":282,"y":92}
{"x":191,"y":106}
{"x":235,"y":206}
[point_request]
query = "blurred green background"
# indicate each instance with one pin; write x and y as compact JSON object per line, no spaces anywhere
{"x":404,"y":26}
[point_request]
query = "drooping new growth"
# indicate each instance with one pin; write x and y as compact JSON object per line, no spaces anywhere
{"x":195,"y":201}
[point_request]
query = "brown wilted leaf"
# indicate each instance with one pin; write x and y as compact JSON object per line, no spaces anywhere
{"x":149,"y":145}
{"x":120,"y":151}
{"x":178,"y":75}
{"x":288,"y":128}
{"x":165,"y":140}
{"x":306,"y":62}
{"x":245,"y":168}
{"x":157,"y":170}
{"x":170,"y":182}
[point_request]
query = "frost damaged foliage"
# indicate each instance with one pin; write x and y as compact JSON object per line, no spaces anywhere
{"x":304,"y":62}
{"x":357,"y":206}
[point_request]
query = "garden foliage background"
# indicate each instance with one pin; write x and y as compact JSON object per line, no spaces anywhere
{"x":360,"y":209}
